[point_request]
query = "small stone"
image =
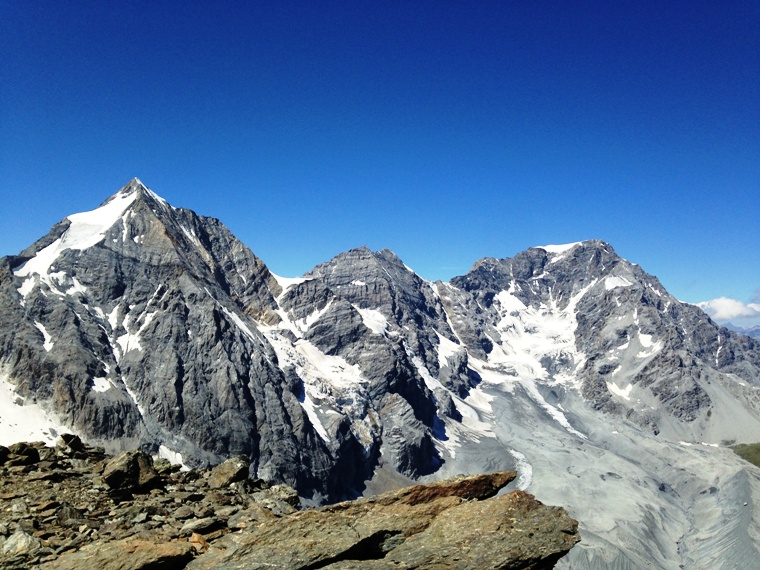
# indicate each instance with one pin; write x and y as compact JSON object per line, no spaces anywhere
{"x":20,"y":543}
{"x":68,"y":513}
{"x":19,"y":507}
{"x":204,"y":511}
{"x":200,"y":525}
{"x":246,"y":518}
{"x":225,"y":512}
{"x":199,"y":543}
{"x":163,"y":466}
{"x":280,"y":499}
{"x":184,"y":512}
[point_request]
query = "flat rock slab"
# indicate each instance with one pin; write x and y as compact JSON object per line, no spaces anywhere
{"x":127,"y":554}
{"x":456,"y":523}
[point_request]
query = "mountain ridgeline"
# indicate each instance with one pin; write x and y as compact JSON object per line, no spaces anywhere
{"x":141,"y":325}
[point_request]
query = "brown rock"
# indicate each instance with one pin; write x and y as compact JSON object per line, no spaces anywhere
{"x":451,"y":524}
{"x":199,"y":543}
{"x":512,"y":531}
{"x":22,"y":454}
{"x":71,"y":442}
{"x":231,"y":471}
{"x":131,"y":471}
{"x":128,"y":554}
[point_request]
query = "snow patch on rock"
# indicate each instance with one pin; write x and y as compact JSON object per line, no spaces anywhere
{"x":616,"y":281}
{"x":85,"y":230}
{"x":47,"y":339}
{"x":21,"y":421}
{"x":374,"y":320}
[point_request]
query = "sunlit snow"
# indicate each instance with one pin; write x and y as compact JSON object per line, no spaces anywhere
{"x":48,"y":340}
{"x":374,"y":320}
{"x":650,"y":346}
{"x":446,"y":349}
{"x":100,"y":385}
{"x":559,"y":252}
{"x":561,"y":248}
{"x":624,"y":393}
{"x":523,"y":468}
{"x":25,"y":422}
{"x":311,"y":412}
{"x":616,"y":281}
{"x":85,"y":230}
{"x":173,"y":457}
{"x":287,"y":282}
{"x":240,"y":324}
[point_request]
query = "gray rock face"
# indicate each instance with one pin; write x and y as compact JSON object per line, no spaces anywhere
{"x":149,"y":338}
{"x":628,"y":329}
{"x":143,"y":325}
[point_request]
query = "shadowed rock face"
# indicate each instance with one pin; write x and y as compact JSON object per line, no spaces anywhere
{"x":72,"y":509}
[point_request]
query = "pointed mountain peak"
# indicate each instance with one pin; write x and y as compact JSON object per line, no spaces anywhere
{"x":136,"y":182}
{"x":85,"y":229}
{"x":140,"y":191}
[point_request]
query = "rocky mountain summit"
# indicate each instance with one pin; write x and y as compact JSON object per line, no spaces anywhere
{"x":72,"y":507}
{"x":143,"y":326}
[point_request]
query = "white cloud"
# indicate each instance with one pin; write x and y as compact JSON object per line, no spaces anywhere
{"x":725,"y":309}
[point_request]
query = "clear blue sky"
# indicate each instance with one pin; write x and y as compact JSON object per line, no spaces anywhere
{"x":445,"y":131}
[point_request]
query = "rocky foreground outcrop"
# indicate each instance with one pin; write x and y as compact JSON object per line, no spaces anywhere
{"x":73,"y":506}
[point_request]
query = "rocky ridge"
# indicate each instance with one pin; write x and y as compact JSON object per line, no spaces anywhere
{"x":72,"y":506}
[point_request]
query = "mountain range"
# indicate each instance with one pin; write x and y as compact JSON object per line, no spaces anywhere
{"x":753,"y":331}
{"x":141,"y":325}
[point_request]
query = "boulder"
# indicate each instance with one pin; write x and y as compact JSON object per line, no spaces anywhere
{"x":71,"y":443}
{"x":231,"y":471}
{"x":22,"y":454}
{"x":20,"y":543}
{"x":131,"y":471}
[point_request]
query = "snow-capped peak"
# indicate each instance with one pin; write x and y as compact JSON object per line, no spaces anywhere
{"x":558,"y":249}
{"x":85,"y":230}
{"x":136,"y":185}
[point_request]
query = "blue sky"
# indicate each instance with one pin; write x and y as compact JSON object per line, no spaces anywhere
{"x":445,"y":131}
